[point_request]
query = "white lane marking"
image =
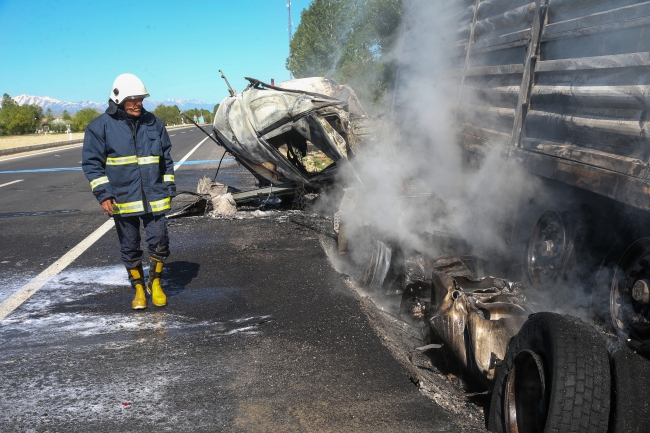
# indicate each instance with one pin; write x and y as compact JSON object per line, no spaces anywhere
{"x":183,"y":132}
{"x":179,"y":163}
{"x":24,"y":293}
{"x":171,"y":135}
{"x":11,"y":183}
{"x":44,"y":277}
{"x":58,"y":149}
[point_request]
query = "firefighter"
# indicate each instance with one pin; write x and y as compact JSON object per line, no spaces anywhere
{"x":126,"y":158}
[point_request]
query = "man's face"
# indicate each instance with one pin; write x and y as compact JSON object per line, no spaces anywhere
{"x":133,"y":106}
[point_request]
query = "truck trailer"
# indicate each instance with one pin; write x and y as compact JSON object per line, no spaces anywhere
{"x":561,"y":89}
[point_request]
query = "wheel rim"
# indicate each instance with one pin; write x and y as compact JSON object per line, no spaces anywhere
{"x":525,"y":395}
{"x":630,"y":315}
{"x":546,"y":249}
{"x":378,"y":266}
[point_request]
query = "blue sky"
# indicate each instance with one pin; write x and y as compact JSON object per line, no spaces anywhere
{"x":73,"y":50}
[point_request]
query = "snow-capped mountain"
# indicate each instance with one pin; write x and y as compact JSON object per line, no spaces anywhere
{"x":183,"y":104}
{"x":58,"y":106}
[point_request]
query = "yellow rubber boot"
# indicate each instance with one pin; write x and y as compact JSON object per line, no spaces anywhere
{"x":158,"y":297}
{"x":136,"y":276}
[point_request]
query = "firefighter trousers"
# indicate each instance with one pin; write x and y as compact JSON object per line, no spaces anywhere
{"x":156,"y":236}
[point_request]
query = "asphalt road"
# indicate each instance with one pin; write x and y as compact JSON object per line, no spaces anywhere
{"x":260,"y":333}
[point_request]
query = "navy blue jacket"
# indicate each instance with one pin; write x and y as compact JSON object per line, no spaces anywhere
{"x":130,"y":161}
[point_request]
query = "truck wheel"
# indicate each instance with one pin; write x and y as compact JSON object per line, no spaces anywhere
{"x":551,"y":253}
{"x":548,"y":250}
{"x":630,"y":292}
{"x":631,"y":374}
{"x":378,"y":266}
{"x":555,"y":378}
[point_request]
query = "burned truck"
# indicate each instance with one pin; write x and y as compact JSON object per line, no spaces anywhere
{"x":561,"y":88}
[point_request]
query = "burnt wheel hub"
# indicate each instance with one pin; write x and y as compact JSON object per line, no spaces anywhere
{"x":545,"y":250}
{"x":630,"y":294}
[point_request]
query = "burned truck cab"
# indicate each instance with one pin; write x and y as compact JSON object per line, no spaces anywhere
{"x":298,"y":133}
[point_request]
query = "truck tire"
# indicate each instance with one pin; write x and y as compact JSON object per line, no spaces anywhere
{"x":555,"y":378}
{"x":631,"y":374}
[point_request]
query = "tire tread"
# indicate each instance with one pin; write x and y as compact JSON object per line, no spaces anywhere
{"x":580,"y":379}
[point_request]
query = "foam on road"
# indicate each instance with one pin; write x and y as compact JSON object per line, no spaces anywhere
{"x":25,"y":292}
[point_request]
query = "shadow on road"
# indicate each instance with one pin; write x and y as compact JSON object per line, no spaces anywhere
{"x":177,"y":275}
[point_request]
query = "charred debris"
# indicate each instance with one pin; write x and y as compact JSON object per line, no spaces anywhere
{"x":293,"y":138}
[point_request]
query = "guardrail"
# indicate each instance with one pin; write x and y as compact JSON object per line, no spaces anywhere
{"x":12,"y":150}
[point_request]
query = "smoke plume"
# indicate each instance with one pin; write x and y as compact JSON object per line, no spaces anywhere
{"x":469,"y":197}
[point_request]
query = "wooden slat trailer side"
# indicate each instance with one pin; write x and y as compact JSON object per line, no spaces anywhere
{"x":563,"y":85}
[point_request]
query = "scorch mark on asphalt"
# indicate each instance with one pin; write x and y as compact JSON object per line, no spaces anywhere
{"x":26,"y":291}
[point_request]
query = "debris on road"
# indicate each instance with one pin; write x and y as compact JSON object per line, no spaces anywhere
{"x":223,"y":204}
{"x":212,"y":188}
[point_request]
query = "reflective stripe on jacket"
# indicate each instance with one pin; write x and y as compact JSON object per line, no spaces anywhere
{"x":133,"y":166}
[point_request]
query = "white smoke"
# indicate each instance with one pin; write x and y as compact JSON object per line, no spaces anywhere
{"x":471,"y":198}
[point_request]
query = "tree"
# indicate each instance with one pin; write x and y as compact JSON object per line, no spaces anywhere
{"x":8,"y":101}
{"x":168,"y":114}
{"x":59,"y":125}
{"x":347,"y":40}
{"x":214,"y":110}
{"x":317,"y":40}
{"x":207,"y":116}
{"x":66,"y":115}
{"x":82,"y":118}
{"x":18,"y":119}
{"x":48,"y":115}
{"x":21,"y":120}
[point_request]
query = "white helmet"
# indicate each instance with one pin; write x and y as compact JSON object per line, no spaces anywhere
{"x":127,"y":86}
